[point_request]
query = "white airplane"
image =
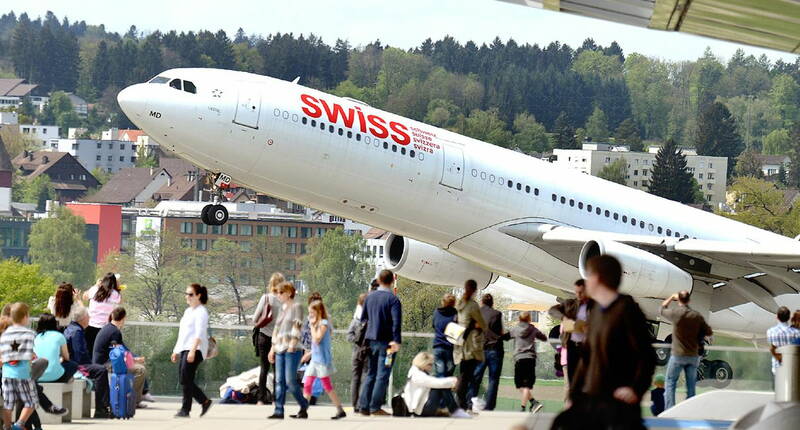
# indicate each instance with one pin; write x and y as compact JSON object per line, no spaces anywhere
{"x":461,"y":208}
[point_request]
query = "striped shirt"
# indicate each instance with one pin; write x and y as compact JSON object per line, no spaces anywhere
{"x":288,"y":329}
{"x":99,"y":311}
{"x":780,"y":335}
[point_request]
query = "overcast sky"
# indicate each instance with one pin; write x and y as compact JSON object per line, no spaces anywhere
{"x":402,"y":24}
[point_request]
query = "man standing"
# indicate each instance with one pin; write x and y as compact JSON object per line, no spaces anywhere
{"x":78,"y":351}
{"x":382,"y":314}
{"x":688,"y":330}
{"x":574,"y":316}
{"x":493,"y":336}
{"x":610,"y":382}
{"x":781,"y":334}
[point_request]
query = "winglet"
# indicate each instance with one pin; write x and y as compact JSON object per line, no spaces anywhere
{"x":296,"y":80}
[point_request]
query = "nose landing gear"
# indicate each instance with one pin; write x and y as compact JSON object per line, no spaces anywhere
{"x":216,"y":214}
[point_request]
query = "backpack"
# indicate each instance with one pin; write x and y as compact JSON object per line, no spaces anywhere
{"x":266,"y":315}
{"x":121,"y":359}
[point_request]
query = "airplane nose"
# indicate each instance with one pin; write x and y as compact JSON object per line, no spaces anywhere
{"x":133,"y":101}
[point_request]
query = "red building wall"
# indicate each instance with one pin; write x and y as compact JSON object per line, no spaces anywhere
{"x":108,"y":218}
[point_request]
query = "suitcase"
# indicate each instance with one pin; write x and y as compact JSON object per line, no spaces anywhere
{"x":123,"y":401}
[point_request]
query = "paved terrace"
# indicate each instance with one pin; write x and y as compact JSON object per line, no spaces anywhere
{"x":159,"y":416}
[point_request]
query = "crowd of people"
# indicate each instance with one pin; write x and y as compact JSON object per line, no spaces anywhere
{"x":605,"y":348}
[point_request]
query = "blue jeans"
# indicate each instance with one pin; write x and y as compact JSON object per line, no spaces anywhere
{"x":494,"y":361}
{"x":373,"y":391}
{"x":286,"y":364}
{"x":443,"y":364}
{"x":677,"y":364}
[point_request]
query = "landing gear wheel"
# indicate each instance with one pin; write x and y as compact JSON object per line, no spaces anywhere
{"x":662,"y":356}
{"x":720,"y":373}
{"x":704,"y":373}
{"x":218,"y":214}
{"x":204,"y":215}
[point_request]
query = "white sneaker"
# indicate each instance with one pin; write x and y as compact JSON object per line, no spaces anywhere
{"x":148,"y":398}
{"x":460,"y":413}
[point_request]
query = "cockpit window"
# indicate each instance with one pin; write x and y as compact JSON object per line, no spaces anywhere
{"x":159,"y":80}
{"x":175,"y":83}
{"x":189,"y":87}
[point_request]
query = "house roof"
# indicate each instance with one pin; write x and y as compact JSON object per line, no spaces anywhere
{"x":21,"y":90}
{"x":8,"y":87}
{"x":180,"y":187}
{"x":5,"y":159}
{"x":124,"y":186}
{"x":375,"y":233}
{"x":35,"y":163}
{"x":772,"y":159}
{"x":130,"y":135}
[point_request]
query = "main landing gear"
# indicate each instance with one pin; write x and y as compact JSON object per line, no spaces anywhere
{"x":716,"y":373}
{"x":216,"y":214}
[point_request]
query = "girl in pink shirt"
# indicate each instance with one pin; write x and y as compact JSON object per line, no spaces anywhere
{"x":103,"y":298}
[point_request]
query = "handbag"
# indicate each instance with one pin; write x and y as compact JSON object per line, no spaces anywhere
{"x":454,"y":333}
{"x":213,"y":348}
{"x":399,"y":407}
{"x":266,"y":315}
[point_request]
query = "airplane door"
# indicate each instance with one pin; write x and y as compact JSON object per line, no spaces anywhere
{"x":248,"y":106}
{"x":453,"y":167}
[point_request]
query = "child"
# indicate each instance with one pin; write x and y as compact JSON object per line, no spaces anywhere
{"x":657,"y":396}
{"x":16,"y":353}
{"x":525,"y":335}
{"x":321,"y":365}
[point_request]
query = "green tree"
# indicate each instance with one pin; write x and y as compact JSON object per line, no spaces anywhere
{"x":487,"y":126}
{"x":101,"y":175}
{"x":565,"y":134}
{"x":155,"y":272}
{"x":704,"y":81}
{"x":761,"y":204}
{"x":37,"y":190}
{"x":649,"y":85}
{"x":748,"y":164}
{"x":338,"y":267}
{"x":268,"y":257}
{"x":146,"y":157}
{"x":595,"y":63}
{"x":597,"y":125}
{"x":58,"y":245}
{"x":442,"y":113}
{"x":530,"y":136}
{"x":419,"y":301}
{"x":778,"y":142}
{"x":793,"y":174}
{"x":20,"y":282}
{"x":615,"y":172}
{"x":230,"y":268}
{"x":669,"y":177}
{"x":785,"y":97}
{"x":628,"y":133}
{"x":717,"y":135}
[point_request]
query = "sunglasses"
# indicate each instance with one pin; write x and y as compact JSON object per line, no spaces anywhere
{"x":189,"y":294}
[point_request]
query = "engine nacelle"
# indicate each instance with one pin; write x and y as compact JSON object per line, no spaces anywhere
{"x":644,"y":274}
{"x":427,"y":263}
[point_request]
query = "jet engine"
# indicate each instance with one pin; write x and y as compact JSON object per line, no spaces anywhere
{"x":645,"y":274}
{"x":427,"y":263}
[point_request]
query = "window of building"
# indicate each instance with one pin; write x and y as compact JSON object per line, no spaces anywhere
{"x":708,"y":197}
{"x":635,"y":183}
{"x":121,"y":158}
{"x":635,"y":173}
{"x":121,"y":146}
{"x":215,"y":229}
{"x":291,"y":264}
{"x":644,"y":183}
{"x":232,"y":229}
{"x":186,"y":227}
{"x":110,"y":146}
{"x":702,"y":164}
{"x":320,"y":231}
{"x":109,"y":158}
{"x":200,"y":228}
{"x":75,"y":145}
{"x":99,"y":145}
{"x":305,"y":232}
{"x":262,"y":230}
{"x":97,"y":158}
{"x":201,"y":244}
{"x":245,"y":230}
{"x":710,"y":165}
{"x":709,"y":185}
{"x":644,"y":172}
{"x":303,"y":249}
{"x":276,"y":231}
{"x":245,"y":246}
{"x":291,"y":231}
{"x":710,"y":176}
{"x":700,"y":175}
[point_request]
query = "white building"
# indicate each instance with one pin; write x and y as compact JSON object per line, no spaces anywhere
{"x":109,"y":155}
{"x":41,"y":133}
{"x":79,"y":105}
{"x":7,"y":118}
{"x":711,"y":173}
{"x":771,"y":164}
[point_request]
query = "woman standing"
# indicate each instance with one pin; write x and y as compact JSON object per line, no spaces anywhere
{"x":286,"y":352}
{"x":321,"y":366}
{"x":268,"y":304}
{"x":103,"y":298}
{"x":191,"y":347}
{"x":470,"y":352}
{"x":65,"y":304}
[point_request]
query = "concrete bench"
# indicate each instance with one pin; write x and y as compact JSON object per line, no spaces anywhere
{"x":60,"y":394}
{"x":81,"y":400}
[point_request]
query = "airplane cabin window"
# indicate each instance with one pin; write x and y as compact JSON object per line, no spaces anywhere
{"x":660,"y":229}
{"x":624,"y":218}
{"x":358,"y":137}
{"x":412,"y":153}
{"x":650,"y":227}
{"x":580,"y":205}
{"x":175,"y":83}
{"x":519,"y":186}
{"x":608,"y":214}
{"x":491,"y":179}
{"x":313,"y":123}
{"x":330,"y":129}
{"x":349,"y":134}
{"x":572,"y":202}
{"x":322,"y":126}
{"x":385,"y":145}
{"x":341,"y":131}
{"x":633,"y":222}
{"x":276,"y":112}
{"x":159,"y":80}
{"x":483,"y":174}
{"x":510,"y":184}
{"x":189,"y":87}
{"x":403,"y":150}
{"x":597,"y":211}
{"x":528,"y":189}
{"x":641,"y":224}
{"x":394,"y":147}
{"x":554,"y":197}
{"x":305,"y":120}
{"x":669,"y":232}
{"x":536,"y":191}
{"x":294,"y":117}
{"x":588,"y":208}
{"x":616,"y":216}
{"x":563,"y":200}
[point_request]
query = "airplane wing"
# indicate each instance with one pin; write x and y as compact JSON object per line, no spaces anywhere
{"x":773,"y":24}
{"x":739,"y":272}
